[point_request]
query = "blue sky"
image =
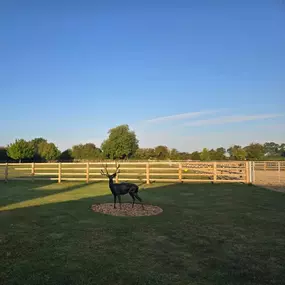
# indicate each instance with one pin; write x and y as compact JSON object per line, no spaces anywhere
{"x":187,"y":74}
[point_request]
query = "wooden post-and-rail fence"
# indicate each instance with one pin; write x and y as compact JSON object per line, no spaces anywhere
{"x":168,"y":171}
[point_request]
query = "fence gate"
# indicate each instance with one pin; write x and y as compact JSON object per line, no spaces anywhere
{"x":269,"y":173}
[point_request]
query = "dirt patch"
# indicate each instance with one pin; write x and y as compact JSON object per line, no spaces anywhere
{"x":127,"y":210}
{"x":272,"y":187}
{"x":273,"y":180}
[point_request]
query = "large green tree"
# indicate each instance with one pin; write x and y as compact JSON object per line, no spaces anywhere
{"x":90,"y":151}
{"x":205,"y":155}
{"x":239,"y":153}
{"x":236,"y":152}
{"x":35,"y":143}
{"x":77,"y":152}
{"x":255,"y":151}
{"x":218,"y":154}
{"x":231,"y":149}
{"x":161,"y":152}
{"x":145,"y":153}
{"x":185,"y":155}
{"x":174,"y":154}
{"x":282,"y":149}
{"x":3,"y":154}
{"x":121,"y":143}
{"x":195,"y":155}
{"x":271,"y":149}
{"x":87,"y":151}
{"x":48,"y":151}
{"x":66,"y":155}
{"x":20,"y":150}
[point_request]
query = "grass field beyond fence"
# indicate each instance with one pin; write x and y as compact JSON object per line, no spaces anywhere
{"x":207,"y":234}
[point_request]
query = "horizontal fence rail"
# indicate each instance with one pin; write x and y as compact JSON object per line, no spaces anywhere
{"x":146,"y":172}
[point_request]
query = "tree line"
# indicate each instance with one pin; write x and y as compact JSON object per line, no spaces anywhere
{"x":122,"y":143}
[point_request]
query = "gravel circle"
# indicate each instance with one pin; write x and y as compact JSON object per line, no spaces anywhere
{"x":127,"y":210}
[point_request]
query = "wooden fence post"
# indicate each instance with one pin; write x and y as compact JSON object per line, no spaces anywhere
{"x":59,"y":172}
{"x":247,"y":172}
{"x":279,"y":171}
{"x":250,"y":172}
{"x":87,"y":172}
{"x":6,"y":172}
{"x":253,"y":172}
{"x":264,"y":166}
{"x":215,"y":172}
{"x":180,"y":172}
{"x":117,"y":176}
{"x":147,"y":173}
{"x":33,"y":171}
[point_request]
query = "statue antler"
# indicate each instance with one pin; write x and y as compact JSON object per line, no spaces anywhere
{"x":106,"y":173}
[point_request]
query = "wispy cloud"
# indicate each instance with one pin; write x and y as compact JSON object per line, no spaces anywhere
{"x":181,"y":116}
{"x":232,"y":119}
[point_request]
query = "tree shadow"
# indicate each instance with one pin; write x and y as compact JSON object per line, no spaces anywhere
{"x":19,"y":191}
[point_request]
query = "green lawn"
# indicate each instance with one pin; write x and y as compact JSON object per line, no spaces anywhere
{"x":207,"y":234}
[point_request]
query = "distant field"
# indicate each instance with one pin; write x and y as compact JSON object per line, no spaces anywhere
{"x":207,"y":234}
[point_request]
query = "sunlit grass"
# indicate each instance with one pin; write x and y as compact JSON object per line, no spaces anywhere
{"x":68,"y":193}
{"x":207,"y":234}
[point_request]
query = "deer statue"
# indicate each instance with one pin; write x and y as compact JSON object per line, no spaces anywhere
{"x":123,"y":188}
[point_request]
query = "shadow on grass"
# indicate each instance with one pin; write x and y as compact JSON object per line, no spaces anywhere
{"x":19,"y":191}
{"x":207,"y":234}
